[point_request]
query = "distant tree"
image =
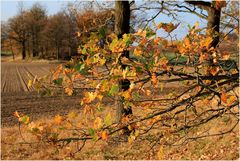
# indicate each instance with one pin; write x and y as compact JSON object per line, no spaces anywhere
{"x":6,"y":42}
{"x":36,"y":21}
{"x":56,"y":32}
{"x":18,"y":27}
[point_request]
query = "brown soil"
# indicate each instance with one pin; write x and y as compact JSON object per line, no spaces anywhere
{"x":15,"y":94}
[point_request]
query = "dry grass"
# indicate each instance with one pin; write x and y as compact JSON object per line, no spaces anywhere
{"x":224,"y":147}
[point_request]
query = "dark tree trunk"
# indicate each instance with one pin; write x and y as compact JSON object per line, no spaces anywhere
{"x":13,"y":55}
{"x":213,"y":19}
{"x":58,"y":53}
{"x":213,"y":25}
{"x":34,"y":52}
{"x":122,"y":18}
{"x":28,"y":49}
{"x":23,"y":50}
{"x":122,"y":26}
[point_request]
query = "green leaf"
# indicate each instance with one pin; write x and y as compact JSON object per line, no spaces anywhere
{"x":114,"y":90}
{"x":79,"y":67}
{"x":108,"y":119}
{"x":68,"y":141}
{"x":139,"y":69}
{"x":150,"y":32}
{"x":135,"y":95}
{"x":91,"y":132}
{"x":102,"y":33}
{"x":84,"y":51}
{"x":58,"y":81}
{"x":24,"y":119}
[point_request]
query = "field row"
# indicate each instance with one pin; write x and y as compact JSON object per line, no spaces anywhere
{"x":15,"y":76}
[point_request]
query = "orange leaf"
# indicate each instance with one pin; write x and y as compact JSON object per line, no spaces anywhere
{"x":148,"y":92}
{"x":104,"y":135}
{"x":98,"y":123}
{"x":225,"y":56}
{"x":219,"y":4}
{"x":214,"y":70}
{"x":154,"y":79}
{"x":16,"y":114}
{"x":141,"y":32}
{"x":58,"y":119}
{"x":224,"y":97}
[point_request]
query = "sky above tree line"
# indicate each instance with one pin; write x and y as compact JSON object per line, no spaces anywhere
{"x":9,"y":8}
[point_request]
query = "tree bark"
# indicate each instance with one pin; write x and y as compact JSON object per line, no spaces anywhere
{"x":122,"y":18}
{"x":213,"y":25}
{"x":23,"y":50}
{"x":122,"y":26}
{"x":13,"y":55}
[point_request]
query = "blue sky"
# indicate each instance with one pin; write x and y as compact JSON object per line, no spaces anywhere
{"x":9,"y":8}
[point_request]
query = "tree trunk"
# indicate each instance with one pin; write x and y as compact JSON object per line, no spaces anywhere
{"x":122,"y":18}
{"x":213,"y":25}
{"x":13,"y":55}
{"x":23,"y":50}
{"x":213,"y":19}
{"x":34,"y":46}
{"x":122,"y":26}
{"x":58,"y":52}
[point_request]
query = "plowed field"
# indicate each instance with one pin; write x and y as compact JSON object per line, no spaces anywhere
{"x":15,"y":95}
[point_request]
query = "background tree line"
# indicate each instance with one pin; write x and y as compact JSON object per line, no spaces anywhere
{"x":32,"y":33}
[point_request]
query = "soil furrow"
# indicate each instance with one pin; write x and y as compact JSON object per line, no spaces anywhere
{"x":23,"y":85}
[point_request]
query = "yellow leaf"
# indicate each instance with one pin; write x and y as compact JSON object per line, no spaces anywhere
{"x":124,"y":73}
{"x":206,"y":42}
{"x":69,"y":91}
{"x":231,"y":100}
{"x":72,"y":115}
{"x":58,"y":119}
{"x":98,"y":123}
{"x":30,"y":82}
{"x":102,"y":61}
{"x":89,"y":97}
{"x":78,"y":34}
{"x":131,"y":87}
{"x":131,"y":138}
{"x":141,"y":32}
{"x":24,"y":119}
{"x":137,"y":51}
{"x":126,"y":95}
{"x":201,"y":58}
{"x":160,"y":153}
